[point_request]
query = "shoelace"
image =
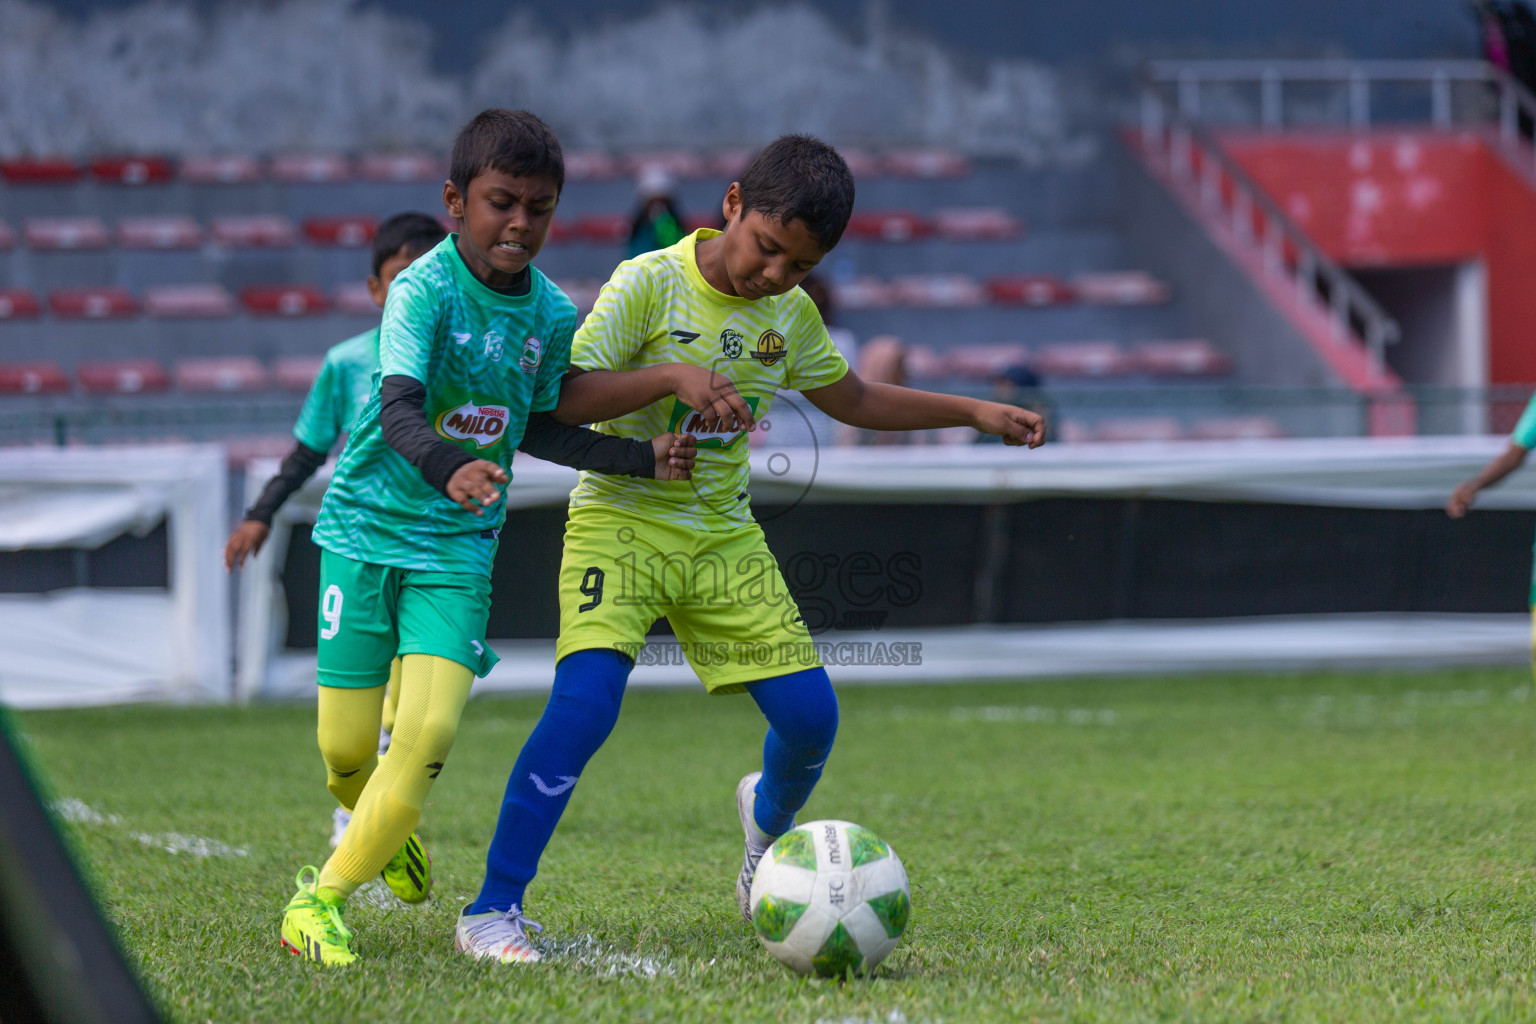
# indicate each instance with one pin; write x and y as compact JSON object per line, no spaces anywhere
{"x":513,"y":918}
{"x":336,"y":930}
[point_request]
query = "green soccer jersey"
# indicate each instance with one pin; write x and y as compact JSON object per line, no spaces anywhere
{"x":657,"y":308}
{"x":339,"y":393}
{"x":1525,"y":431}
{"x":487,"y":361}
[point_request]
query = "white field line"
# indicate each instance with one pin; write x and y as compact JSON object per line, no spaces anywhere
{"x":81,"y":813}
{"x":586,"y":952}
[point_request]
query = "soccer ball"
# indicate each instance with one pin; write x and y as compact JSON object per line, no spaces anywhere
{"x":830,"y":897}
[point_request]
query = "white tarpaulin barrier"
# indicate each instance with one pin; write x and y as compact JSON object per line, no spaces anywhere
{"x":86,"y":646}
{"x":1402,"y":473}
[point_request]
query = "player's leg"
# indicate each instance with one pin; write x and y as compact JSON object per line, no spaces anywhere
{"x":801,"y":709}
{"x":391,"y":706}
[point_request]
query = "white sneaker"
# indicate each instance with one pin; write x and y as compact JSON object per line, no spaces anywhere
{"x":757,"y":841}
{"x":383,"y":741}
{"x":339,"y":819}
{"x":502,"y":937}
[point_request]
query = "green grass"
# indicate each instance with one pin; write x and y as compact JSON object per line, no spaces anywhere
{"x":1292,"y":848}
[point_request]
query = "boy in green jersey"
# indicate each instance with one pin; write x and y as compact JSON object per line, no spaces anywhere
{"x":700,"y":336}
{"x":472,"y":350}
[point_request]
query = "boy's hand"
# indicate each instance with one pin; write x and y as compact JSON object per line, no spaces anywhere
{"x":674,"y":456}
{"x":1016,"y":426}
{"x":1461,"y":500}
{"x":247,"y":539}
{"x":713,"y":396}
{"x":476,"y":484}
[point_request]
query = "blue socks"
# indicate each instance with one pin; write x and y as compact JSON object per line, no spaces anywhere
{"x":589,"y":686}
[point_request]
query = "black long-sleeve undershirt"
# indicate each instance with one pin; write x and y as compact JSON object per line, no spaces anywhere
{"x":297,"y":467}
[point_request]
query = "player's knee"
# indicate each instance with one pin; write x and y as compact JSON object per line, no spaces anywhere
{"x":347,"y":751}
{"x":588,"y":692}
{"x":806,"y":716}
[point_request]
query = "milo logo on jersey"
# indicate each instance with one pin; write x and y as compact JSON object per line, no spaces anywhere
{"x":484,"y":425}
{"x":690,"y":421}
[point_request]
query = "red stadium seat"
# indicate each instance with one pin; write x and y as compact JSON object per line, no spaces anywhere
{"x":7,"y":236}
{"x":308,"y":168}
{"x":863,"y":293}
{"x":729,"y":163}
{"x":262,"y":231}
{"x":1235,"y":428}
{"x":694,"y":221}
{"x":680,"y":163}
{"x":297,"y":373}
{"x":603,"y":228}
{"x":165,"y":232}
{"x":863,"y":163}
{"x":18,"y":303}
{"x":1120,"y":288}
{"x":591,"y":165}
{"x":927,"y":163}
{"x":923,"y":363}
{"x":121,"y":376}
{"x":221,"y":170}
{"x":284,"y":300}
{"x":354,"y":298}
{"x":229,"y":373}
{"x":976,"y":224}
{"x":66,"y":233}
{"x":402,"y":167}
{"x":1029,"y":290}
{"x":347,"y":232}
{"x":39,"y":378}
{"x":92,"y":303}
{"x":889,"y":226}
{"x":985,"y":361}
{"x":47,"y":171}
{"x":1084,"y":359}
{"x":189,"y":301}
{"x":1139,"y":428}
{"x":946,"y":290}
{"x":1194,"y":358}
{"x":561,"y":229}
{"x":133,"y":170}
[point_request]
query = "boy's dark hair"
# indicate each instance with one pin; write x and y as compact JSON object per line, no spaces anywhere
{"x":799,"y":177}
{"x":510,"y":141}
{"x":416,"y":233}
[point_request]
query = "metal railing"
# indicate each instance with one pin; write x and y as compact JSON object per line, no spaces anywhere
{"x":1195,"y":160}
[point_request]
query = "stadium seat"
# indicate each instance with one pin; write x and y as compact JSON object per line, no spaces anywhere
{"x":1235,"y":428}
{"x":926,"y":163}
{"x":283,"y":300}
{"x":944,"y":290}
{"x":36,"y":378}
{"x":922,"y":362}
{"x":66,"y":233}
{"x":296,"y":373}
{"x":311,"y":168}
{"x":241,"y":451}
{"x":221,"y":170}
{"x":261,"y":231}
{"x":189,"y":301}
{"x":7,"y":237}
{"x":729,"y":163}
{"x":121,"y":376}
{"x":1083,"y":359}
{"x":43,"y":171}
{"x":133,"y":170}
{"x":1029,"y":290}
{"x":164,"y":232}
{"x":1120,"y":288}
{"x":985,"y":361}
{"x":976,"y":224}
{"x":228,"y":373}
{"x":401,"y":167}
{"x":590,"y":165}
{"x":92,"y":303}
{"x":1139,"y":428}
{"x":353,"y":298}
{"x":603,"y":228}
{"x":696,"y":220}
{"x":888,"y":226}
{"x":862,"y":163}
{"x":18,"y":303}
{"x":583,"y":293}
{"x":1193,"y":358}
{"x":347,"y":232}
{"x":1070,"y":431}
{"x":680,"y":163}
{"x":862,"y":293}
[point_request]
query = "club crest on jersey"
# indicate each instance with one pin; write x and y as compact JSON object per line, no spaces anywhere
{"x":689,"y":421}
{"x":493,"y":346}
{"x":770,"y":347}
{"x":483,"y":424}
{"x":731,"y":343}
{"x":533,"y":351}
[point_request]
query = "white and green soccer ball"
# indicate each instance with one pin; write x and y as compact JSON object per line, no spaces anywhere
{"x":830,"y":897}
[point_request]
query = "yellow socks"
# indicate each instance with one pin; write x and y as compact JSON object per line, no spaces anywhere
{"x":392,"y":697}
{"x":349,"y":739}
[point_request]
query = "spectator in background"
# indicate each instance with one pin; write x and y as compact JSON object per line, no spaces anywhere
{"x":658,"y":223}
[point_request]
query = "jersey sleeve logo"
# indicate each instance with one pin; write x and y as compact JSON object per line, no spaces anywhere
{"x":689,"y":421}
{"x":482,"y":424}
{"x":770,"y":348}
{"x":533,"y":353}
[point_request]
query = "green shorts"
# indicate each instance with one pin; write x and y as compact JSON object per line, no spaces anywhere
{"x":369,"y":613}
{"x":733,"y":615}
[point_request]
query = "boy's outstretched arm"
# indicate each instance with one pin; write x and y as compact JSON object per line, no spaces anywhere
{"x":1503,"y":464}
{"x":592,"y":396}
{"x":874,"y":406}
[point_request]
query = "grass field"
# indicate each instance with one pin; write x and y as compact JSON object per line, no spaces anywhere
{"x":1321,"y":847}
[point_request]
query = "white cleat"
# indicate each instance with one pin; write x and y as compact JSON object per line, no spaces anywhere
{"x":498,"y":936}
{"x":339,"y":819}
{"x":757,"y":842}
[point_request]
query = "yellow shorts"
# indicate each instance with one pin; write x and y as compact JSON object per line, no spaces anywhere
{"x":733,"y":615}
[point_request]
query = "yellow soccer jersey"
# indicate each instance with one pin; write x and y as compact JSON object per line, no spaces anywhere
{"x":657,"y":308}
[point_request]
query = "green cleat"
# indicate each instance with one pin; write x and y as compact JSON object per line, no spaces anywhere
{"x":312,"y":925}
{"x":409,"y":872}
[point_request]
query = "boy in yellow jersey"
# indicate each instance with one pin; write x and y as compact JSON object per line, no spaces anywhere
{"x":699,"y":336}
